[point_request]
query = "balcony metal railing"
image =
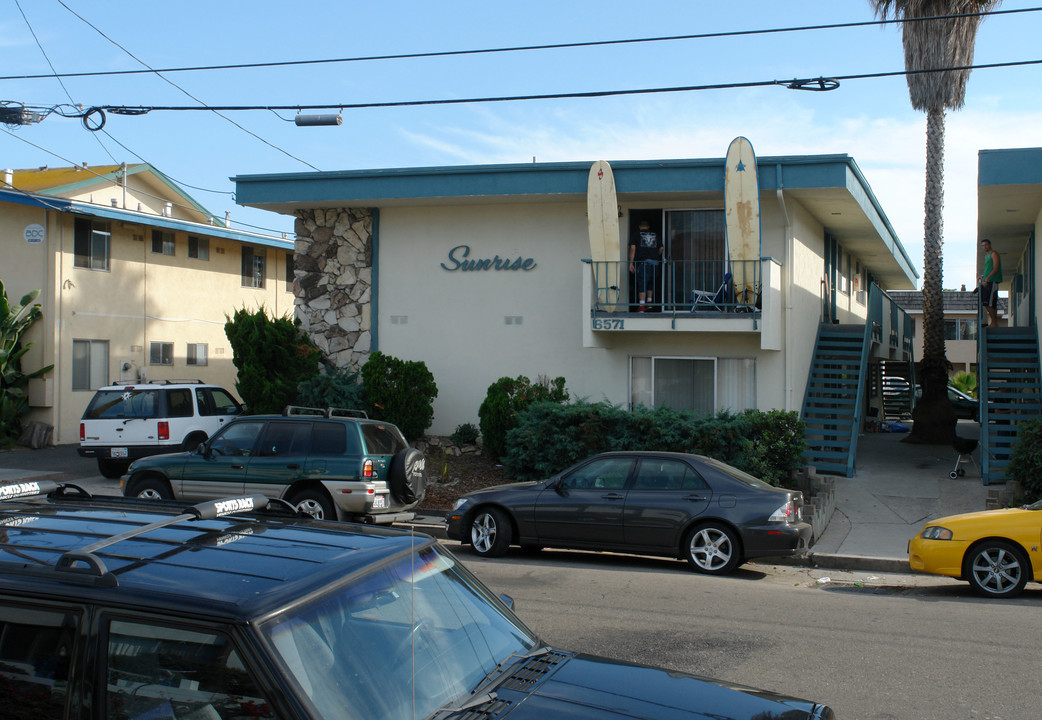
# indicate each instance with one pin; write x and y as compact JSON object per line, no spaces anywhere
{"x":885,"y":314}
{"x":710,"y":286}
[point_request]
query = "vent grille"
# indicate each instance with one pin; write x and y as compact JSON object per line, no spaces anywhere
{"x":532,"y":672}
{"x":488,"y":710}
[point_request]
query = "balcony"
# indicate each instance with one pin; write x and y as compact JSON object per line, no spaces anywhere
{"x":691,"y":296}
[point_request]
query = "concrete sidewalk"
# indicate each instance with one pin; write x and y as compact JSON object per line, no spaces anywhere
{"x":896,"y":489}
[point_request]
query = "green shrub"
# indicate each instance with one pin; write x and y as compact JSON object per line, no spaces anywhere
{"x":778,"y":444}
{"x":272,"y":356}
{"x":401,"y":392}
{"x":550,"y":437}
{"x":1025,"y":462}
{"x":965,"y":382}
{"x":340,"y":388}
{"x":507,"y":397}
{"x":14,"y":321}
{"x":465,"y":434}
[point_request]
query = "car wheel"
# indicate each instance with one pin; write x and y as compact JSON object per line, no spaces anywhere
{"x":712,"y":548}
{"x":152,"y":489}
{"x":408,"y":476}
{"x":490,"y":533}
{"x":996,"y":569}
{"x":314,"y":503}
{"x":112,"y":469}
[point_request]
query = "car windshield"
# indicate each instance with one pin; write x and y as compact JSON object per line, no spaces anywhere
{"x":739,"y":475}
{"x":1034,"y":506}
{"x":400,"y":641}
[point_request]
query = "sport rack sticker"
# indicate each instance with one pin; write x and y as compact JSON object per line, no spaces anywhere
{"x":17,"y":490}
{"x":232,"y":505}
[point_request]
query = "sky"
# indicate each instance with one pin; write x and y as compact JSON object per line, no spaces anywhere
{"x":869,"y":119}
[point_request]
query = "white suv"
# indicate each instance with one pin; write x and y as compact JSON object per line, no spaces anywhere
{"x":124,"y":422}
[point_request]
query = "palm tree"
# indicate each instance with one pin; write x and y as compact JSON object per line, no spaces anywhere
{"x":930,"y":45}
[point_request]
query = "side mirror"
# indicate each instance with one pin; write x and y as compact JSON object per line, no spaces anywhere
{"x":200,"y":449}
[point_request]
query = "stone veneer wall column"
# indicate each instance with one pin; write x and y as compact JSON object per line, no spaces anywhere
{"x":333,"y":277}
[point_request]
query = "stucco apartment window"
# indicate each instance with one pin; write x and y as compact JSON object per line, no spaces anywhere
{"x":253,"y":262}
{"x":701,"y":385}
{"x":162,"y":242}
{"x":90,"y":364}
{"x":91,"y":243}
{"x":161,"y":353}
{"x":196,"y":354}
{"x":289,"y":272}
{"x":960,"y":329}
{"x":844,"y":272}
{"x":198,"y":248}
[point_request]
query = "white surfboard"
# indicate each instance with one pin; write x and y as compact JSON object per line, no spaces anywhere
{"x":602,"y":212}
{"x":742,"y":203}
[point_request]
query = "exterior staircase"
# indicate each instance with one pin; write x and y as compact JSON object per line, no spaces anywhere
{"x":898,"y":388}
{"x":1010,"y":393}
{"x":832,"y":406}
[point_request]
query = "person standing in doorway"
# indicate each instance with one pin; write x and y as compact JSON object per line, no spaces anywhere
{"x":645,"y":254}
{"x":989,"y":282}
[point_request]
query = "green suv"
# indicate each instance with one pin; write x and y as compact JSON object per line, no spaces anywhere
{"x":332,"y":464}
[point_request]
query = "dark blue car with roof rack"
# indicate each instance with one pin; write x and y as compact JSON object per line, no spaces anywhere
{"x":239,"y":607}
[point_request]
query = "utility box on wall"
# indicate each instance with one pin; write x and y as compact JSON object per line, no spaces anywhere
{"x":41,"y":392}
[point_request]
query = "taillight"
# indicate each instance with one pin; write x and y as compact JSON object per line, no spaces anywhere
{"x":786,"y":513}
{"x":368,"y":471}
{"x":83,"y":431}
{"x":164,"y":430}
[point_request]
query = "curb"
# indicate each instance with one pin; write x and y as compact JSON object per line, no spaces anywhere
{"x":430,"y":523}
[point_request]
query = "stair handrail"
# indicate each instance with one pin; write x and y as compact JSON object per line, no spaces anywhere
{"x":983,"y":416}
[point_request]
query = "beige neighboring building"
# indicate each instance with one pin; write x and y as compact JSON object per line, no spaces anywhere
{"x":960,"y":325}
{"x":136,"y":279}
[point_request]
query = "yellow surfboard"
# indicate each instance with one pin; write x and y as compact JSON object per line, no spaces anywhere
{"x":602,"y":217}
{"x":742,"y":203}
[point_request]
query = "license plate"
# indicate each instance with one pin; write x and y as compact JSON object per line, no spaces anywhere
{"x":380,"y":501}
{"x":118,"y":452}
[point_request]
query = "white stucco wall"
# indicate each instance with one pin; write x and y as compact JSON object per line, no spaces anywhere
{"x":456,"y":321}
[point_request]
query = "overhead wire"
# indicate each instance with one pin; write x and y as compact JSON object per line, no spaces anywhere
{"x":519,"y":48}
{"x":825,"y":82}
{"x":181,"y":89}
{"x":46,"y":57}
{"x":100,"y":176}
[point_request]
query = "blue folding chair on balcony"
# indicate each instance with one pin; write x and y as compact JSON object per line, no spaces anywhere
{"x":705,"y":300}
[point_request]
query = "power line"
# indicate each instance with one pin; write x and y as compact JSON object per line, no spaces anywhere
{"x":819,"y":83}
{"x":516,"y":48}
{"x":113,"y":182}
{"x":178,"y":87}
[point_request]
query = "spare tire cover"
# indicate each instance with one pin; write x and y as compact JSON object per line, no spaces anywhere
{"x":408,"y":476}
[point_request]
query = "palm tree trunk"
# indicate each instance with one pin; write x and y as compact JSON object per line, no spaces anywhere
{"x":934,"y":418}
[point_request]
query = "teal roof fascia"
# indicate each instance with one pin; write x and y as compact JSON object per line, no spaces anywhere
{"x":1013,"y":166}
{"x":539,"y":179}
{"x":862,"y":191}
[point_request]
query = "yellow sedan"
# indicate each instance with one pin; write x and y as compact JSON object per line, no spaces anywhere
{"x":996,"y":551}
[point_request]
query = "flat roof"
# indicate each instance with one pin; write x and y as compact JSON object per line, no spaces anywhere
{"x":832,"y":187}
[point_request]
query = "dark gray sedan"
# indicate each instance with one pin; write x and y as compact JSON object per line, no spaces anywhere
{"x":649,"y":503}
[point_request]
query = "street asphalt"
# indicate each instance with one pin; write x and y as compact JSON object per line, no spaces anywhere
{"x":897,"y":487}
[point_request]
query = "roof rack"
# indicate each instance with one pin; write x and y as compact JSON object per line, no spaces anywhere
{"x":327,"y":412}
{"x":84,"y":566}
{"x":170,"y":381}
